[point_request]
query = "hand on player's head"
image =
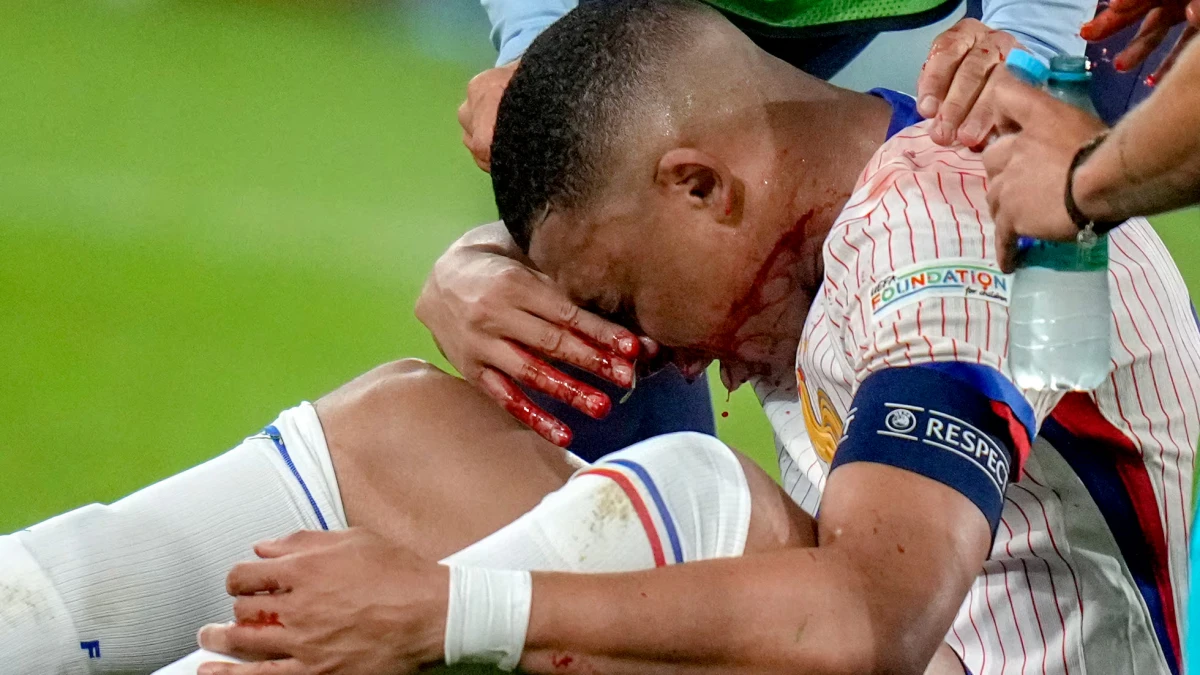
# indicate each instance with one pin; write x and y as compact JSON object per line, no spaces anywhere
{"x":477,"y":114}
{"x":643,"y":175}
{"x":1157,"y":18}
{"x":498,"y":321}
{"x":954,"y":87}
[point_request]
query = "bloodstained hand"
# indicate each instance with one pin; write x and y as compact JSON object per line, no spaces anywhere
{"x":954,"y":86}
{"x":1158,"y":17}
{"x":500,"y":323}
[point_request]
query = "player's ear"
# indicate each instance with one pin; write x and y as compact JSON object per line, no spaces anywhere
{"x":703,"y":181}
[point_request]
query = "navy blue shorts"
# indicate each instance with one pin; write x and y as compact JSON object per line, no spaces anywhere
{"x":661,"y":404}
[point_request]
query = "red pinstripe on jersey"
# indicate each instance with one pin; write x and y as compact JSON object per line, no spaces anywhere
{"x":1025,"y":614}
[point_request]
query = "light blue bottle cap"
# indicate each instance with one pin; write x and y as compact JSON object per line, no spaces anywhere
{"x":1027,"y":67}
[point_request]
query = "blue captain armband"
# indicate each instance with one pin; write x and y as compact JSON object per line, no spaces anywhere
{"x":943,"y":427}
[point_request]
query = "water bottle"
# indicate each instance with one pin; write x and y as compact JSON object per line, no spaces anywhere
{"x":1059,"y":325}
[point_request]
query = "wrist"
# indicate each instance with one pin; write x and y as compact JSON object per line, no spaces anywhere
{"x":487,"y":616}
{"x":1089,"y":190}
{"x":433,"y":642}
{"x":1088,"y":222}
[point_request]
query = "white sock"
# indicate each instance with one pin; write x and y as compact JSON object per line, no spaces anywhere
{"x":691,"y":502}
{"x":592,"y":525}
{"x":127,"y":586}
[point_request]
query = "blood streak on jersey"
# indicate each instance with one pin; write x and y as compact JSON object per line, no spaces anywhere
{"x":1101,"y":510}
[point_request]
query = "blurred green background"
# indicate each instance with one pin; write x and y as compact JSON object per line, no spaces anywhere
{"x":212,"y":210}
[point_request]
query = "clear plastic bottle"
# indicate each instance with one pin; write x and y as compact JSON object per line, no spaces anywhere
{"x":1059,"y":313}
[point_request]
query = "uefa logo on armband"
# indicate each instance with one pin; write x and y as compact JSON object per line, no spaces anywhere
{"x":901,"y":421}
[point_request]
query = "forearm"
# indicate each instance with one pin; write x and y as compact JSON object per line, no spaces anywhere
{"x":1150,"y":162}
{"x":798,"y":611}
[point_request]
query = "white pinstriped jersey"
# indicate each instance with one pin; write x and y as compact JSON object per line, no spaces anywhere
{"x":1088,"y":571}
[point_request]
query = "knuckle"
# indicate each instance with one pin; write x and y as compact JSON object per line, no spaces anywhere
{"x":510,"y":277}
{"x":487,"y":380}
{"x":552,"y":341}
{"x":951,"y":42}
{"x":978,"y":64}
{"x":478,"y":315}
{"x":568,"y":312}
{"x":944,"y":41}
{"x":529,"y":374}
{"x":952,"y":110}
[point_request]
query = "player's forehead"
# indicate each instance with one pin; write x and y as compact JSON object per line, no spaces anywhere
{"x":583,"y":259}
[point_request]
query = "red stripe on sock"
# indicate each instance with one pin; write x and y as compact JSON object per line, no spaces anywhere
{"x":639,"y":506}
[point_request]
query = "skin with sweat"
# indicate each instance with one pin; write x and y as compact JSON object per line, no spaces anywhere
{"x":709,"y":241}
{"x":707,"y":238}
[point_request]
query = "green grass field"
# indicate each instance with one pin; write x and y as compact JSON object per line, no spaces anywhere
{"x":210,"y":211}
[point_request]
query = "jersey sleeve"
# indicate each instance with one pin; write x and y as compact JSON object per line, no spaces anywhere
{"x":915,"y":296}
{"x":516,"y":23}
{"x":1046,"y":27}
{"x":784,"y":411}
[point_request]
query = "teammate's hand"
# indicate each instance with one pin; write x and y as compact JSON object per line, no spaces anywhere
{"x":1028,"y":165}
{"x":496,"y":320}
{"x":348,"y":602}
{"x":954,"y":84}
{"x":477,"y":114}
{"x":1158,"y":17}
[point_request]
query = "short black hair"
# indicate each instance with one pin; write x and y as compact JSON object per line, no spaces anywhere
{"x":571,"y":101}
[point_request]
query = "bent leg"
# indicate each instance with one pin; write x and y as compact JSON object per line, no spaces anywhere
{"x":674,"y":498}
{"x":425,"y":459}
{"x":125,"y":587}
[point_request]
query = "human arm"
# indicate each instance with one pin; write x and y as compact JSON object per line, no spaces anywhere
{"x":515,"y":24}
{"x":950,"y":335}
{"x":953,"y":84}
{"x":496,"y":319}
{"x":868,"y":599}
{"x":1149,"y":163}
{"x":878,"y":595}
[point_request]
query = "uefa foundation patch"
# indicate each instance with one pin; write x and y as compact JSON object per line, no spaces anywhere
{"x":960,"y":278}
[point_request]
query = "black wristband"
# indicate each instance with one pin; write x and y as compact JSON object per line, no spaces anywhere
{"x":1082,"y":221}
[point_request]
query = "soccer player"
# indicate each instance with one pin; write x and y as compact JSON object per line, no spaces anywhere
{"x":700,"y":206}
{"x":467,"y":302}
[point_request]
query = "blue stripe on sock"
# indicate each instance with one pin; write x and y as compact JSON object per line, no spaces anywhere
{"x":275,"y":436}
{"x":668,"y":523}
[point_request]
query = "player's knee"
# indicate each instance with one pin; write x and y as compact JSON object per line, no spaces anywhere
{"x":404,"y":378}
{"x":695,"y":486}
{"x":703,"y":476}
{"x":388,"y":389}
{"x":361,"y":418}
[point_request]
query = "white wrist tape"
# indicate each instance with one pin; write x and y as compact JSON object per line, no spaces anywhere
{"x":488,"y":616}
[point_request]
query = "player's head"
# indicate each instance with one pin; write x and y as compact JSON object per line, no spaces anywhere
{"x":638,"y":158}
